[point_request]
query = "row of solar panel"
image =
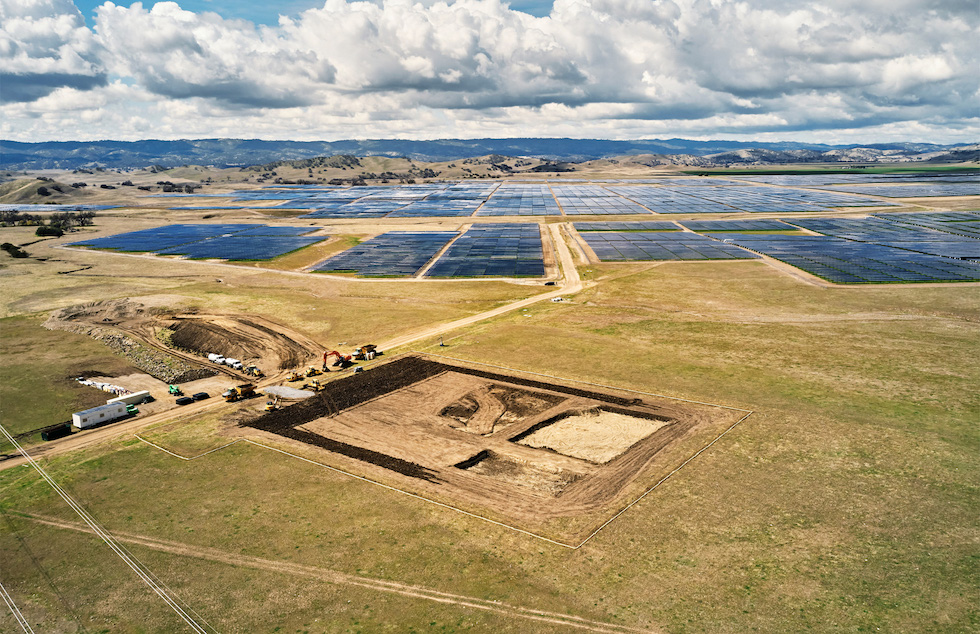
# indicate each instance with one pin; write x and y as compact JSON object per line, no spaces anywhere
{"x":214,"y":241}
{"x":484,"y":250}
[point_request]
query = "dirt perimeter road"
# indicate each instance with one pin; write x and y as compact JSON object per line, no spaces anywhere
{"x":342,"y":578}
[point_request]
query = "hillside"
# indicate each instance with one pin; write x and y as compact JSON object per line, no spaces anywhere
{"x":243,"y":153}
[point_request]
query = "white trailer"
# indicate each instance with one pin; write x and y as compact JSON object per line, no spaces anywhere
{"x":96,"y":415}
{"x":213,"y":356}
{"x":131,"y":399}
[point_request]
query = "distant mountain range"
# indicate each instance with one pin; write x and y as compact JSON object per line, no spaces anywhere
{"x":244,"y":152}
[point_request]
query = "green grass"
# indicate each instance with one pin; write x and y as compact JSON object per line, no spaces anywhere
{"x":847,"y":502}
{"x":37,"y":371}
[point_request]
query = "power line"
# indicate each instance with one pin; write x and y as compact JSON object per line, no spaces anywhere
{"x":9,"y":600}
{"x":135,"y":565}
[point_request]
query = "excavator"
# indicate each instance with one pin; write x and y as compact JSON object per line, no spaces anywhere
{"x":272,"y":405}
{"x":344,"y":361}
{"x":254,"y":371}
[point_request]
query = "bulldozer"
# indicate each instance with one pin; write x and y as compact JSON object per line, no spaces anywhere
{"x":311,"y":371}
{"x":294,"y":376}
{"x":239,"y":392}
{"x":314,"y":385}
{"x":254,"y":371}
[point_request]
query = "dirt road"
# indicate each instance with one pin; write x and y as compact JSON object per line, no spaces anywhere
{"x":342,"y":578}
{"x":570,"y":283}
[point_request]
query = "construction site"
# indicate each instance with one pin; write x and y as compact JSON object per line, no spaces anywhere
{"x":413,"y":423}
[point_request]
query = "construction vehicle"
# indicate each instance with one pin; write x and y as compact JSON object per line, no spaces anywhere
{"x":311,"y":371}
{"x":254,"y":371}
{"x":344,"y":361}
{"x":314,"y":385}
{"x":294,"y":376}
{"x":176,"y":391}
{"x":239,"y":392}
{"x":272,"y":405}
{"x":365,"y":353}
{"x":132,"y":410}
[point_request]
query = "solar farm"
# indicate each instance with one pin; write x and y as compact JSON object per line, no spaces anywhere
{"x":664,"y":404}
{"x":209,"y":241}
{"x":462,"y":199}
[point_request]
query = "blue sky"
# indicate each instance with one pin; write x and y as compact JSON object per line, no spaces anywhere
{"x":829,"y":71}
{"x":265,"y":12}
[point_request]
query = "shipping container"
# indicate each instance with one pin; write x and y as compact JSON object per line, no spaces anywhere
{"x":131,"y":399}
{"x":56,"y":432}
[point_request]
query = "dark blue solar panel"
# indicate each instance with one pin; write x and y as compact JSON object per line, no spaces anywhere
{"x":392,"y":254}
{"x":162,"y":237}
{"x":494,"y":250}
{"x":641,"y":246}
{"x":242,"y":247}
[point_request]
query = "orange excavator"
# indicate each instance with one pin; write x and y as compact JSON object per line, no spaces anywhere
{"x":344,"y":361}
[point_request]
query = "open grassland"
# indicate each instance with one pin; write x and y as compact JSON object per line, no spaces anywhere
{"x":847,"y":502}
{"x":37,"y":369}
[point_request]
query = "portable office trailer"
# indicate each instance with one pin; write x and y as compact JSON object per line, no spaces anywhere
{"x":131,"y":399}
{"x":101,"y":414}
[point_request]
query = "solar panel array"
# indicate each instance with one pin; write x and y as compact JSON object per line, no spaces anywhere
{"x":652,"y":225}
{"x":883,"y":231}
{"x":914,"y":191}
{"x":817,"y":180}
{"x":241,"y":247}
{"x":737,"y":225}
{"x":520,"y":200}
{"x":592,"y":200}
{"x":210,"y":241}
{"x":392,"y":254}
{"x":667,"y":200}
{"x":963,"y":223}
{"x":848,"y":262}
{"x":614,"y":246}
{"x":494,"y":250}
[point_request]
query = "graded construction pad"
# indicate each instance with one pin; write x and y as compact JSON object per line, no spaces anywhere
{"x":210,"y":241}
{"x":464,"y":433}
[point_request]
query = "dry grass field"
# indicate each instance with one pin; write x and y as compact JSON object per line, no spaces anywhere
{"x":846,"y":502}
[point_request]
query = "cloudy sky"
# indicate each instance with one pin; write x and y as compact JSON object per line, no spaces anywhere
{"x":835,"y":71}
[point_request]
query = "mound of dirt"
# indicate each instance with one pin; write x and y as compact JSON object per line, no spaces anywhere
{"x":241,"y":338}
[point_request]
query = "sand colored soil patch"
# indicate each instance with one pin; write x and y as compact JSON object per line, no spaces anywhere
{"x":596,"y":435}
{"x":540,"y":478}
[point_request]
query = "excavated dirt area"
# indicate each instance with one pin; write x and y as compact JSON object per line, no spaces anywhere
{"x":463,"y":432}
{"x":597,"y":435}
{"x":174,"y":347}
